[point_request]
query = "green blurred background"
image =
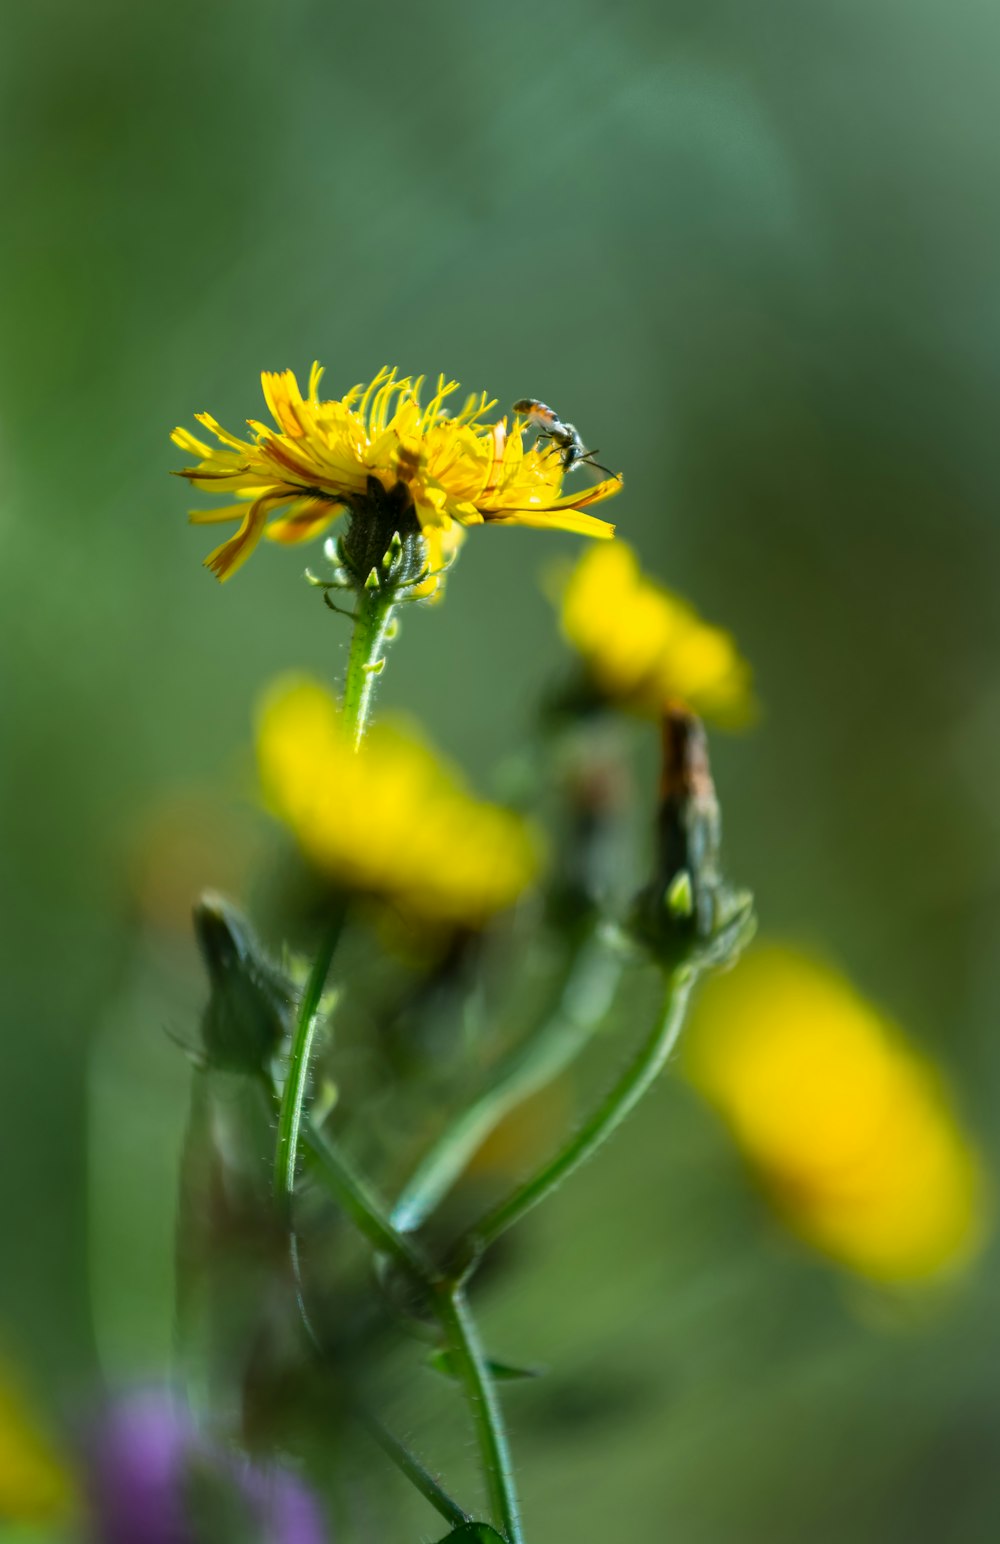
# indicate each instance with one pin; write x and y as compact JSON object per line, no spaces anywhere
{"x":753,"y":252}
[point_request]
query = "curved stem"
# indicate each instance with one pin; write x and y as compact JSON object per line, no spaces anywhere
{"x":365,"y":1207}
{"x":448,"y":1302}
{"x":623,"y":1097}
{"x":484,"y":1407}
{"x":409,"y":1464}
{"x":365,"y":661}
{"x":584,"y":994}
{"x":297,"y":1077}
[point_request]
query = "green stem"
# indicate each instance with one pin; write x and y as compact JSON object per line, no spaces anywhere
{"x":410,"y":1465}
{"x":373,"y":615}
{"x":293,"y":1093}
{"x":623,"y":1097}
{"x":584,"y":993}
{"x":369,"y":1215}
{"x":365,"y":1208}
{"x":448,"y":1302}
{"x":484,"y":1407}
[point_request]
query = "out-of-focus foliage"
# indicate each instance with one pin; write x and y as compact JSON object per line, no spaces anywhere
{"x":753,"y":253}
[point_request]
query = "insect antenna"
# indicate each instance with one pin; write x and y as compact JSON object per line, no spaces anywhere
{"x":588,"y":459}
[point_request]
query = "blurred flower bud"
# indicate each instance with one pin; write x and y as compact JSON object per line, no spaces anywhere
{"x":689,"y":912}
{"x":249,"y":1002}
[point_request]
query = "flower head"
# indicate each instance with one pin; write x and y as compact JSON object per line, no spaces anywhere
{"x":292,"y":481}
{"x":647,"y":649}
{"x":847,"y":1127}
{"x":389,"y":819}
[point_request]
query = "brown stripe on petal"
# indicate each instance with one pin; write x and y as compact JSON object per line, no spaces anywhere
{"x":276,"y":451}
{"x":278,"y":396}
{"x":225,"y":560}
{"x":305,"y":523}
{"x":602,"y":490}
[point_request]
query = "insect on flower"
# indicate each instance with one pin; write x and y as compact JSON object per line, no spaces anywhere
{"x":565,"y":437}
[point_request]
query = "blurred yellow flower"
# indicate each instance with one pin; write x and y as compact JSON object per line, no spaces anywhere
{"x":35,"y":1487}
{"x":848,"y":1128}
{"x":456,"y":470}
{"x":646,"y":648}
{"x":389,"y":819}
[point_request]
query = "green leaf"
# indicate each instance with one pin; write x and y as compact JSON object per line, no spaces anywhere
{"x":446,"y":1363}
{"x":473,"y":1533}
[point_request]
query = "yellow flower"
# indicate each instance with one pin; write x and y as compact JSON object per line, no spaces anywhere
{"x":294,"y":480}
{"x":34,"y":1486}
{"x":848,"y":1128}
{"x":389,"y":819}
{"x":646,"y":648}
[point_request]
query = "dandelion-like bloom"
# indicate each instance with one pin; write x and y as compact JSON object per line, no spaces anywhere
{"x":848,"y":1128}
{"x":389,"y":819}
{"x":645,"y":648}
{"x":291,"y":482}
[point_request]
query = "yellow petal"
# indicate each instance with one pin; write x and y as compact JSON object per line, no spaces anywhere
{"x":282,"y":395}
{"x":223,"y":434}
{"x":315,"y":376}
{"x":217,"y":516}
{"x":189,"y":442}
{"x":602,"y":490}
{"x":555,"y":519}
{"x":305,"y":519}
{"x":225,"y":560}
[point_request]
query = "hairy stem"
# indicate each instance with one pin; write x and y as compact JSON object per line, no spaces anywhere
{"x":373,"y":615}
{"x":365,"y":1208}
{"x":293,"y":1093}
{"x":448,"y":1302}
{"x":409,"y":1464}
{"x":484,"y":1407}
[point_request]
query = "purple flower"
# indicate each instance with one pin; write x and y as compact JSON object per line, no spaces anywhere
{"x":154,"y":1479}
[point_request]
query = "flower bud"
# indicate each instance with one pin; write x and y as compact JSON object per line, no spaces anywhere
{"x":249,"y":1004}
{"x":689,"y":912}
